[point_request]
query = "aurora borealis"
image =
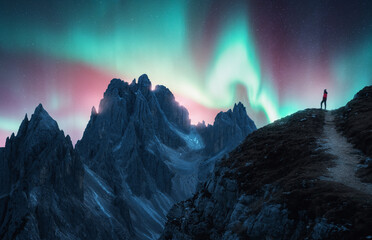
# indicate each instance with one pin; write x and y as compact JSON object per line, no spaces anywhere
{"x":274,"y":56}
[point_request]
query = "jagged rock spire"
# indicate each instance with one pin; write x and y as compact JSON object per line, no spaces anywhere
{"x":144,"y":81}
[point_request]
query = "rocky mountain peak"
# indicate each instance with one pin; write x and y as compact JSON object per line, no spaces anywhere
{"x":223,"y":116}
{"x":144,"y":81}
{"x":38,"y":131}
{"x":41,"y":120}
{"x":41,"y":180}
{"x":230,"y":116}
{"x":115,"y":88}
{"x":94,"y":111}
{"x":228,"y":130}
{"x":133,"y":83}
{"x":239,"y":109}
{"x":23,"y":128}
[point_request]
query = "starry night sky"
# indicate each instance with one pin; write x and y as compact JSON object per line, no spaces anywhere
{"x":274,"y":56}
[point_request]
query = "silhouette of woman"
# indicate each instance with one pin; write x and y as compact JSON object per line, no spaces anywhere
{"x":325,"y":94}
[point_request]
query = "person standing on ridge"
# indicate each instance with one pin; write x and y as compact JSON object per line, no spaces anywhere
{"x":325,"y":94}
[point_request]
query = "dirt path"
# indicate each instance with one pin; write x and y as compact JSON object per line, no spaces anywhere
{"x":347,"y":157}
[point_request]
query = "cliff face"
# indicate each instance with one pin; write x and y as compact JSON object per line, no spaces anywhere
{"x":294,"y":179}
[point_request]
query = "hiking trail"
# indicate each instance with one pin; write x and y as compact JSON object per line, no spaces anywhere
{"x":347,"y":157}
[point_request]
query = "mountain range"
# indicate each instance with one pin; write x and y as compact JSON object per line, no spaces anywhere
{"x":139,"y":155}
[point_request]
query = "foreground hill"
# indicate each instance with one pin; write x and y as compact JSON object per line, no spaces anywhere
{"x":298,"y":178}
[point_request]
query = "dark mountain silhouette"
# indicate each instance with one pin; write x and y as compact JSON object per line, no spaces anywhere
{"x":138,"y":156}
{"x":42,"y":191}
{"x":297,"y":178}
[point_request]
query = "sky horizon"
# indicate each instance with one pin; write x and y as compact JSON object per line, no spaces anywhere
{"x":276,"y":57}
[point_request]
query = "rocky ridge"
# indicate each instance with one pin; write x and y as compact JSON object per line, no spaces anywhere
{"x":276,"y":184}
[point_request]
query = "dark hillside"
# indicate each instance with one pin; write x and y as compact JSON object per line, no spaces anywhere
{"x":355,"y":122}
{"x":285,"y":182}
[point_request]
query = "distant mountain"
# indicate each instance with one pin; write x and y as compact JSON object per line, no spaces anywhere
{"x":138,"y":156}
{"x":297,"y":178}
{"x":143,"y":146}
{"x":42,"y":186}
{"x":225,"y":134}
